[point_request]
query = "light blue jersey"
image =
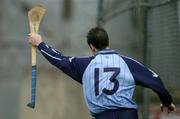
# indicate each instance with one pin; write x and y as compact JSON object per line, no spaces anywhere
{"x":108,"y":83}
{"x":108,"y":79}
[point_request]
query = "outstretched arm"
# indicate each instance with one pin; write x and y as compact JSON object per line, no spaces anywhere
{"x":67,"y":64}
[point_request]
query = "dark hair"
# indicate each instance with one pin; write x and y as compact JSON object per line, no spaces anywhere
{"x":98,"y":37}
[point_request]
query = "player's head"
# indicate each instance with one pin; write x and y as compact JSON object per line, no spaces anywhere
{"x":97,"y":39}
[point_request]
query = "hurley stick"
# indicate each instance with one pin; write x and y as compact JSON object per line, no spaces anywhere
{"x":34,"y":15}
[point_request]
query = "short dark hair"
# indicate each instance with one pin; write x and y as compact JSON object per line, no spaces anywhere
{"x":98,"y":37}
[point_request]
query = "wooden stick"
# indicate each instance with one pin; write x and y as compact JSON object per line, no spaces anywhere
{"x":35,"y":16}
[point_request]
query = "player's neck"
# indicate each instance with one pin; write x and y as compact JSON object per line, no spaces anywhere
{"x":98,"y":50}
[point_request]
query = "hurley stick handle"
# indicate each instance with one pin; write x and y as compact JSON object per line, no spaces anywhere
{"x":34,"y":28}
{"x":33,"y":55}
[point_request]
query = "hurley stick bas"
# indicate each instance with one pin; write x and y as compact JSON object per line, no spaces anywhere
{"x":35,"y":15}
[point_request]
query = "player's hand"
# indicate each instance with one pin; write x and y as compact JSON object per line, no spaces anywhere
{"x":170,"y":109}
{"x":34,"y":39}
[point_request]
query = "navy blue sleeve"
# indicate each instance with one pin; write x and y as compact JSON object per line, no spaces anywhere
{"x":147,"y":78}
{"x":72,"y":66}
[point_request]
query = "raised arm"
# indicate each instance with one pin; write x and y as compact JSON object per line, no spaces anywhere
{"x":67,"y":64}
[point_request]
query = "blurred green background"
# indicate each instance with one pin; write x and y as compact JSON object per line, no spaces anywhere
{"x":146,"y":30}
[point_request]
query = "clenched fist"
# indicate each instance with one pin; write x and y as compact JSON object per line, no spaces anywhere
{"x":34,"y":39}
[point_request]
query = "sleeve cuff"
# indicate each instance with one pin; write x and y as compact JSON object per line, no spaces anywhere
{"x":41,"y":45}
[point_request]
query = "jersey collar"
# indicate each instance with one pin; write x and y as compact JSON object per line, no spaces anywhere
{"x":106,"y":51}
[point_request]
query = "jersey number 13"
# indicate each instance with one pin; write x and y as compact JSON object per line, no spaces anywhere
{"x":113,"y":79}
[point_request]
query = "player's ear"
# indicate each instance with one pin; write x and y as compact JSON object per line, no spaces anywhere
{"x":93,"y":49}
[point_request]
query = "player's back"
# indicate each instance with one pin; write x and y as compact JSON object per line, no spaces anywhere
{"x":108,"y":83}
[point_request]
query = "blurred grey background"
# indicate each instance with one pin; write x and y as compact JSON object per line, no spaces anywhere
{"x":146,"y":30}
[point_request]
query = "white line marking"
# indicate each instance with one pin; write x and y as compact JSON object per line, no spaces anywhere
{"x":51,"y":55}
